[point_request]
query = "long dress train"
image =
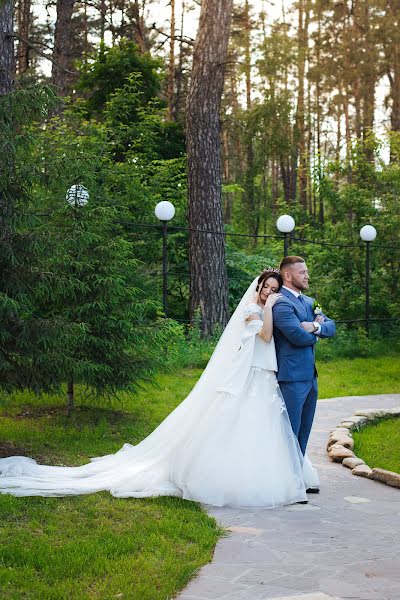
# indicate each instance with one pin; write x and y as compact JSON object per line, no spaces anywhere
{"x":229,"y":443}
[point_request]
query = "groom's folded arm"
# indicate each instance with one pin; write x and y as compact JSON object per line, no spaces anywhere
{"x":289,"y":325}
{"x":328,"y":328}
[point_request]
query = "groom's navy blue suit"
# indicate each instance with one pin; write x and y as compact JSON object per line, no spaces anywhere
{"x":297,"y":374}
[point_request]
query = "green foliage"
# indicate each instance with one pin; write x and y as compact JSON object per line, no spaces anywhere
{"x":354,"y":343}
{"x":121,"y":340}
{"x":74,"y":301}
{"x":243,"y":268}
{"x":111,"y":68}
{"x":137,"y":129}
{"x":29,"y":341}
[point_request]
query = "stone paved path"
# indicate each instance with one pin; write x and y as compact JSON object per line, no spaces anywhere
{"x":344,"y":544}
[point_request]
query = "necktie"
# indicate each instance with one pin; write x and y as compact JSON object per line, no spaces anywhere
{"x":303,"y":302}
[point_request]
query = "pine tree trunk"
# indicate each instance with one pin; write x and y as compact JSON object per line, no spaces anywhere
{"x":62,"y":53}
{"x":70,"y":397}
{"x":208,"y":279}
{"x":138,"y":27}
{"x":24,"y":26}
{"x":7,"y":64}
{"x":103,"y":13}
{"x":179,"y":74}
{"x":252,"y":212}
{"x":348,"y":134}
{"x":171,"y":65}
{"x":393,"y":60}
{"x":85,"y":33}
{"x":304,"y":12}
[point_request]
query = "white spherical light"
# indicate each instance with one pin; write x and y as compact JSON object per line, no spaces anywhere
{"x":165,"y":211}
{"x":285,"y":223}
{"x":77,"y":195}
{"x":368,"y":233}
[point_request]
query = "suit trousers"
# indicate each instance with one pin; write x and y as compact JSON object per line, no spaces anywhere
{"x":301,"y":400}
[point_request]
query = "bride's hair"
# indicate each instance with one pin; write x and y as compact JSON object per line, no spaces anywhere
{"x":266,"y":275}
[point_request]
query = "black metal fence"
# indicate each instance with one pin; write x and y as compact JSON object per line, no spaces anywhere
{"x":287,"y":240}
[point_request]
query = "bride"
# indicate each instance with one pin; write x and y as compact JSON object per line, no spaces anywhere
{"x":229,"y":443}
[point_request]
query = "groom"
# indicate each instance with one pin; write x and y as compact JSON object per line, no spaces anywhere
{"x":296,"y":330}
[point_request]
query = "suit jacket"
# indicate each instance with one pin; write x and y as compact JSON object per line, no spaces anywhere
{"x":294,"y":345}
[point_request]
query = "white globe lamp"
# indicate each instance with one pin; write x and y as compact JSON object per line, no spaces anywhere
{"x":285,"y":223}
{"x":368,"y":233}
{"x":165,"y":211}
{"x":77,"y":195}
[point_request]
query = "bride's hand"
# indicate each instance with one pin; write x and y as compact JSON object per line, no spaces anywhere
{"x":272,"y":299}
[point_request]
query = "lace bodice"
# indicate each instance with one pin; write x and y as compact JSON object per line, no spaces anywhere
{"x":252,"y":309}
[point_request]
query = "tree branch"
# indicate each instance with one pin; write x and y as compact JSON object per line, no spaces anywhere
{"x":183,"y":39}
{"x":36,"y":49}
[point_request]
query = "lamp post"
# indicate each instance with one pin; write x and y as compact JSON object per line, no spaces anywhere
{"x":164,"y":212}
{"x":285,"y":225}
{"x":367,"y":234}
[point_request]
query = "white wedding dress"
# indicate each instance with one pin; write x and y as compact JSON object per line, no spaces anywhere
{"x":229,"y":443}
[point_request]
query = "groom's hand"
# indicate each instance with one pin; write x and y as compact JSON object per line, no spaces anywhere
{"x":307,"y":326}
{"x":319,"y":319}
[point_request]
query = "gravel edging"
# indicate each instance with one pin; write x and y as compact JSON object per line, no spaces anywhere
{"x":341,"y":445}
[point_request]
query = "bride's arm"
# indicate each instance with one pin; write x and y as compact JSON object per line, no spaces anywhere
{"x":267,"y":329}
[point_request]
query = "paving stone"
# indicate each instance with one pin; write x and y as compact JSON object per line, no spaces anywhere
{"x":388,"y":477}
{"x":337,"y":453}
{"x":302,"y":507}
{"x":356,"y":499}
{"x":343,"y":544}
{"x":341,"y":439}
{"x":362,"y":471}
{"x":312,"y":596}
{"x":351,"y":462}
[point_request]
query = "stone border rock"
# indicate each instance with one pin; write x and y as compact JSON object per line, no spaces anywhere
{"x":341,"y":444}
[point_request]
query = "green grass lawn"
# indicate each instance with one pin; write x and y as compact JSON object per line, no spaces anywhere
{"x":101,"y":547}
{"x":96,"y":546}
{"x":378,"y":444}
{"x":359,"y":376}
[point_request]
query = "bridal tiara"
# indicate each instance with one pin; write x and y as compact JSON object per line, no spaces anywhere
{"x":273,"y":270}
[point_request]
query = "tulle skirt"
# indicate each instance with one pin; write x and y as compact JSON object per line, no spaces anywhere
{"x":225,"y":450}
{"x":244,"y":453}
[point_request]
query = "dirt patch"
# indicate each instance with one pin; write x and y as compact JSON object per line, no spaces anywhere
{"x":8,"y":449}
{"x":93,"y":415}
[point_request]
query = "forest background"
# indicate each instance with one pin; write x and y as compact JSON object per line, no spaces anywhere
{"x":310,"y":121}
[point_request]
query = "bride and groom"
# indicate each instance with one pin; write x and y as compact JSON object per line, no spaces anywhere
{"x":239,"y":438}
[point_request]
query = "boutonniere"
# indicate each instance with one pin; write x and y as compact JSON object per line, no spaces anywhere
{"x":317,"y":308}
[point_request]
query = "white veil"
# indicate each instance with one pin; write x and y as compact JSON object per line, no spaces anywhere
{"x":146,"y":469}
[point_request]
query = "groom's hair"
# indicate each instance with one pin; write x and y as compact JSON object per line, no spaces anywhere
{"x":290,"y":260}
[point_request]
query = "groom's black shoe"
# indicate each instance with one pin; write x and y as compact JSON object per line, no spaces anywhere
{"x":302,"y":502}
{"x":312,"y":490}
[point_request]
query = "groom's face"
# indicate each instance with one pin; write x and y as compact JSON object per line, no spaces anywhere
{"x":298,"y":275}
